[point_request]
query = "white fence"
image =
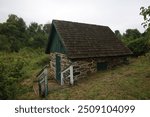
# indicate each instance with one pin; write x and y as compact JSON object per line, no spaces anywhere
{"x":67,"y":76}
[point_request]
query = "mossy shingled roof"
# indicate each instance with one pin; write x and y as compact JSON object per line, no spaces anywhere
{"x":87,"y":40}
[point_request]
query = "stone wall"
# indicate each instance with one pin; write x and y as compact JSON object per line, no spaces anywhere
{"x":52,"y":65}
{"x":82,"y":67}
{"x":65,"y":62}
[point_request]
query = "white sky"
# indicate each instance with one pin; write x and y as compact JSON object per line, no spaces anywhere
{"x":117,"y":14}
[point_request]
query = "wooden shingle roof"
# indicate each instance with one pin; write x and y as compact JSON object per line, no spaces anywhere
{"x":86,"y":40}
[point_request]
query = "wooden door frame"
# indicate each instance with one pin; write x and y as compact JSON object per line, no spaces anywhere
{"x":58,"y":68}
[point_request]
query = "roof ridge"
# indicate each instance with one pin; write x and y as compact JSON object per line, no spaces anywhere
{"x":55,"y":20}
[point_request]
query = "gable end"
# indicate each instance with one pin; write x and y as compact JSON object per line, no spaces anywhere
{"x":54,"y":42}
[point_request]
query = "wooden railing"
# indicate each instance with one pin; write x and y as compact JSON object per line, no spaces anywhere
{"x":67,"y":76}
{"x":42,"y":78}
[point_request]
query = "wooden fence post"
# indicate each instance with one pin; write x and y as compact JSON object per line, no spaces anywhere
{"x":71,"y":74}
{"x":43,"y":81}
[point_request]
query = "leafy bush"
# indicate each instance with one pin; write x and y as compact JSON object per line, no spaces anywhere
{"x":138,"y":46}
{"x":15,"y":68}
{"x":11,"y":72}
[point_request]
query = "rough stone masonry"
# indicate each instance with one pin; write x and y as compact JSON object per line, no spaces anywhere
{"x":82,"y":67}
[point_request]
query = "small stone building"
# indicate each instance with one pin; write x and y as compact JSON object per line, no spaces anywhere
{"x":88,"y":48}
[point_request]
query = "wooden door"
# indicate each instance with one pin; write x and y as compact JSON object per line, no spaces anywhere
{"x":58,"y":68}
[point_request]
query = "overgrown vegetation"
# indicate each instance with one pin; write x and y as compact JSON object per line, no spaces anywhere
{"x":18,"y":68}
{"x":22,"y":56}
{"x":21,"y":52}
{"x":130,"y":81}
{"x":139,"y":43}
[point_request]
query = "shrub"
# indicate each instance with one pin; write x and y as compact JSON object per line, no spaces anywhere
{"x":11,"y":72}
{"x":138,"y":46}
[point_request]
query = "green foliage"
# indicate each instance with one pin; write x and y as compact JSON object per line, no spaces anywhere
{"x":138,"y":46}
{"x":132,"y":34}
{"x":15,"y":35}
{"x":47,"y":28}
{"x":14,"y":31}
{"x":15,"y":68}
{"x":4,"y":43}
{"x":145,"y":12}
{"x":11,"y":72}
{"x":37,"y":37}
{"x":138,"y":43}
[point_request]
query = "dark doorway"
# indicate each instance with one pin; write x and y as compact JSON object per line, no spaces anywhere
{"x":58,"y":68}
{"x":102,"y":66}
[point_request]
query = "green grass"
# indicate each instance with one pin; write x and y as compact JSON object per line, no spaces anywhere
{"x":123,"y":82}
{"x":18,"y":71}
{"x":130,"y":81}
{"x":36,"y":60}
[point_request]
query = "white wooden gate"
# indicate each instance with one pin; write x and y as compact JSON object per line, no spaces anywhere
{"x":67,"y":76}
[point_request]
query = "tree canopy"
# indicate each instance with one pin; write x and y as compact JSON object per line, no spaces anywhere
{"x":145,"y":12}
{"x":15,"y":34}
